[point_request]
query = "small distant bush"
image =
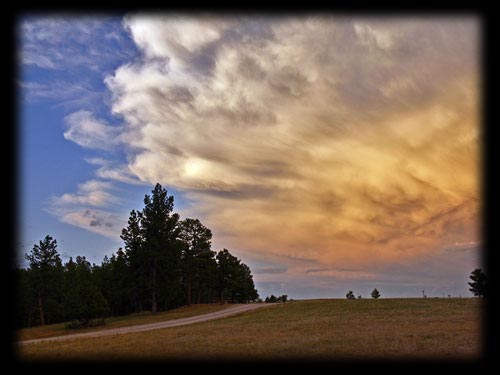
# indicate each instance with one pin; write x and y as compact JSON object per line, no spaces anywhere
{"x":77,"y":324}
{"x":273,"y":299}
{"x":350,"y":295}
{"x":375,"y":293}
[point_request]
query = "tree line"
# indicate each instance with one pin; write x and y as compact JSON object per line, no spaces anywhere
{"x":166,"y":262}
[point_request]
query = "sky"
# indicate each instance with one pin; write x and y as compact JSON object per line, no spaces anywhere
{"x":328,"y":152}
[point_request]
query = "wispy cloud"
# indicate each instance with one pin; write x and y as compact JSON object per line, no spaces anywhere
{"x":59,"y":42}
{"x":92,"y":192}
{"x":84,"y":209}
{"x":109,"y":170}
{"x":63,"y":93}
{"x":85,"y":130}
{"x":102,"y":222}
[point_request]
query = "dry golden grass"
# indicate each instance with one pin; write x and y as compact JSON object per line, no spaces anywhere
{"x":309,"y":329}
{"x":120,"y":321}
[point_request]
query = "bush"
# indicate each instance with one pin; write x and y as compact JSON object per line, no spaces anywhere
{"x":85,"y":323}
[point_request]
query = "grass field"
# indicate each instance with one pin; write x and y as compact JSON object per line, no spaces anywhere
{"x":120,"y":321}
{"x":308,"y":329}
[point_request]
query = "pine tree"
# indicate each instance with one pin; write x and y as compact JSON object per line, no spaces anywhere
{"x":84,"y":301}
{"x":196,"y":241}
{"x":375,"y":293}
{"x":46,"y":275}
{"x":133,"y":239}
{"x":235,"y":279}
{"x":479,"y":284}
{"x":161,"y":248}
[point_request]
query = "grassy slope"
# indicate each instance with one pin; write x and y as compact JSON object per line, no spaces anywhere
{"x":120,"y":321}
{"x":313,"y":329}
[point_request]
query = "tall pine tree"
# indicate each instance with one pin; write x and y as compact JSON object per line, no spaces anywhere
{"x":196,"y":242}
{"x":161,"y":247}
{"x":46,"y":275}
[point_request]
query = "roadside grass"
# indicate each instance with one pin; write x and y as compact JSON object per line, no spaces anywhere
{"x":305,"y":329}
{"x":120,"y":321}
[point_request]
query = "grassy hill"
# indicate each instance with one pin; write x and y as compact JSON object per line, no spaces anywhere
{"x":307,"y":329}
{"x":120,"y":321}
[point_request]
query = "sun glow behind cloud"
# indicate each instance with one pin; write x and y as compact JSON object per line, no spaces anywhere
{"x":347,"y":142}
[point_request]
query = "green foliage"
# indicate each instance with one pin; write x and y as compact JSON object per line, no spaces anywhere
{"x":165,"y":263}
{"x":273,"y":299}
{"x":45,"y":279}
{"x":375,"y":293}
{"x":234,"y":279}
{"x":479,"y":284}
{"x":83,"y":301}
{"x":196,"y":254}
{"x":24,"y":298}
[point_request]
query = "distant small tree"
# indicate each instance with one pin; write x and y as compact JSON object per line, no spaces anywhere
{"x":359,"y":296}
{"x":350,"y":295}
{"x":271,"y":299}
{"x":375,"y":293}
{"x":479,"y":284}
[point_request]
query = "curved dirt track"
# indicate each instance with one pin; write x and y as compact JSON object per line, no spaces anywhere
{"x":158,"y":325}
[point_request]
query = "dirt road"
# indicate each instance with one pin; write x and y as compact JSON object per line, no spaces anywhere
{"x":159,"y":325}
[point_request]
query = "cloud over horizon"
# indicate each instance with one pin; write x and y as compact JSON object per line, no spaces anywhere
{"x":352,"y":141}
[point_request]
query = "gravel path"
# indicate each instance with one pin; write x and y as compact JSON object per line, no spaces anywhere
{"x":151,"y":326}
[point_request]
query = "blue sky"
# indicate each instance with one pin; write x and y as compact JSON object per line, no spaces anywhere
{"x":69,"y":78}
{"x":328,"y":153}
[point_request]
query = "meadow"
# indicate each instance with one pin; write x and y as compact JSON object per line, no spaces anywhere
{"x":328,"y":329}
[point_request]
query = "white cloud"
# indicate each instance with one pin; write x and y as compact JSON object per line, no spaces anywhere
{"x":84,"y":208}
{"x":105,"y":223}
{"x":108,"y":170}
{"x":62,"y":41}
{"x":85,"y":130}
{"x":92,"y":192}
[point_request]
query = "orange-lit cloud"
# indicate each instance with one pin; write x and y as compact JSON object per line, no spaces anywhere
{"x":347,"y":141}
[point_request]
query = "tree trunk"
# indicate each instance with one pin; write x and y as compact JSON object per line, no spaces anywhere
{"x":199,"y":296}
{"x":189,"y":290}
{"x":40,"y":308}
{"x":222,"y":298}
{"x":154,"y":307}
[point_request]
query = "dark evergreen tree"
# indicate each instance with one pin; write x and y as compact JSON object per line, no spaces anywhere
{"x":235,"y":279}
{"x":83,"y":301}
{"x":196,"y":243}
{"x":46,"y":275}
{"x":25,"y":301}
{"x":479,"y":284}
{"x":375,"y":293}
{"x":164,"y":263}
{"x":350,"y":295}
{"x":133,"y":239}
{"x":161,"y":248}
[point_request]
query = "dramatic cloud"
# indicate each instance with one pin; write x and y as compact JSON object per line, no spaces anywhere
{"x":351,"y":142}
